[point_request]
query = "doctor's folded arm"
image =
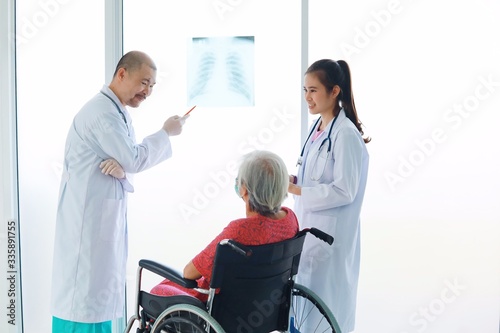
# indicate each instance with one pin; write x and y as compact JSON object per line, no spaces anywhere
{"x":101,"y":155}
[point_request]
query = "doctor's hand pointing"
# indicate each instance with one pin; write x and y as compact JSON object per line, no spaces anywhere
{"x":173,"y":125}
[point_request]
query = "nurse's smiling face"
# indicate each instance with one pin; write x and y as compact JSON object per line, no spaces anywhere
{"x":319,"y":100}
{"x":137,"y":85}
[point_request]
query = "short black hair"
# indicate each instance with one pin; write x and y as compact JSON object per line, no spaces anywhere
{"x":133,"y":60}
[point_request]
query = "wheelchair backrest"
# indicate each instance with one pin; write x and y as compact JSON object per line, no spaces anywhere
{"x":254,"y":287}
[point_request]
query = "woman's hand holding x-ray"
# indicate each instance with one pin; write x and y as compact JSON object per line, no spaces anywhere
{"x":111,"y":167}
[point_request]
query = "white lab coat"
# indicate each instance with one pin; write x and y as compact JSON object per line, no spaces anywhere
{"x":90,"y":250}
{"x":333,"y":204}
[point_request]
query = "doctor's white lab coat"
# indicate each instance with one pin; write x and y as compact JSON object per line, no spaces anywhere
{"x":90,"y":250}
{"x":333,"y":188}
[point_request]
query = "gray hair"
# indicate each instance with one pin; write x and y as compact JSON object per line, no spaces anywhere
{"x":265,"y":177}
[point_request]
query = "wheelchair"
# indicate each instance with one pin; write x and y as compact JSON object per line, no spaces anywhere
{"x":252,"y":290}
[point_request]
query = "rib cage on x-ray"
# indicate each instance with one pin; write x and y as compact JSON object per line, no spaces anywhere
{"x":222,"y":73}
{"x":236,"y":78}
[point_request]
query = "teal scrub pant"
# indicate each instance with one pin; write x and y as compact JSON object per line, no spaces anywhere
{"x":65,"y":326}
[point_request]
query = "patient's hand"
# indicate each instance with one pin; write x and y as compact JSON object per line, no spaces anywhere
{"x":190,"y":272}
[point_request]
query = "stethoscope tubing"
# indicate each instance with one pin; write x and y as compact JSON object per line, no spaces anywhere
{"x":119,"y":110}
{"x":299,"y":162}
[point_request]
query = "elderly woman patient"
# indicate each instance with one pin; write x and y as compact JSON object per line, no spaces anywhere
{"x":262,"y":184}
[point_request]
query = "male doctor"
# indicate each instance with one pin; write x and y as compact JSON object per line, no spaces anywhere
{"x":90,"y":250}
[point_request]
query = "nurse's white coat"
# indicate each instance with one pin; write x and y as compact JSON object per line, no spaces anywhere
{"x":333,"y":204}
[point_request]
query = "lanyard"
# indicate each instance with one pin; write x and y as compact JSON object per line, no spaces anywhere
{"x":119,"y":110}
{"x":299,"y":161}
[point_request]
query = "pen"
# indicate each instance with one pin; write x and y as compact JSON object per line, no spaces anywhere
{"x":189,"y":111}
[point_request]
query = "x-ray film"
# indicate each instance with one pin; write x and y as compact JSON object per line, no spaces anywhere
{"x":221,"y":71}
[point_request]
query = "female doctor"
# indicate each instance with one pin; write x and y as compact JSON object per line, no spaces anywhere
{"x":329,"y":189}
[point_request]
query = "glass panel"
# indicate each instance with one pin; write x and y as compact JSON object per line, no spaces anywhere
{"x":181,"y":204}
{"x":60,"y":60}
{"x":426,"y":84}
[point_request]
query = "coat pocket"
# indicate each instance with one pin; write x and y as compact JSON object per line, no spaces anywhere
{"x":112,"y":226}
{"x":315,"y":252}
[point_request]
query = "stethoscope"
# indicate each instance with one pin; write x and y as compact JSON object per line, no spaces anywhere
{"x":119,"y":111}
{"x":325,"y":140}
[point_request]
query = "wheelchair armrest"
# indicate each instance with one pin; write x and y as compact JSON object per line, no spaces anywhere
{"x":168,"y":273}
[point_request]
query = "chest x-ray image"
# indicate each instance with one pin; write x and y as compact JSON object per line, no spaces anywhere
{"x":221,"y":71}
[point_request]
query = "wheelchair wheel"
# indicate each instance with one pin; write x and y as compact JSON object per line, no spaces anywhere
{"x":186,"y":318}
{"x":309,"y":314}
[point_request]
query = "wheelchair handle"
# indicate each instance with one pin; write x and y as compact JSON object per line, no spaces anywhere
{"x":244,"y":251}
{"x":321,"y":235}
